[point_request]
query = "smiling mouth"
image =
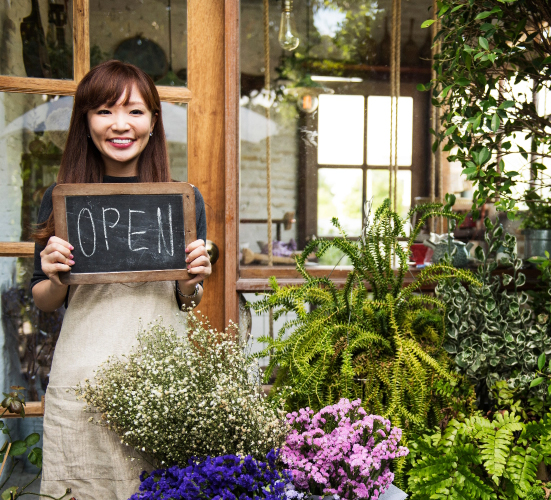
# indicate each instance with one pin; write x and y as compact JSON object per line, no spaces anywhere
{"x":121,"y":141}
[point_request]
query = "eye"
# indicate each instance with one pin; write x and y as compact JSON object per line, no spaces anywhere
{"x":136,"y":112}
{"x":104,"y":112}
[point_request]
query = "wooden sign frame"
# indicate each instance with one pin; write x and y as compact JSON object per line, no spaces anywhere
{"x":62,"y":191}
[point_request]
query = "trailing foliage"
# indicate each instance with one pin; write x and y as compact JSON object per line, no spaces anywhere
{"x":374,"y":339}
{"x":480,"y":459}
{"x":491,"y":332}
{"x":493,"y":54}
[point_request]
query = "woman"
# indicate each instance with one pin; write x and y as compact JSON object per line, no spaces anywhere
{"x":116,"y":135}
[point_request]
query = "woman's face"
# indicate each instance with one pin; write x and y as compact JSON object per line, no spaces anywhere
{"x":121,"y":133}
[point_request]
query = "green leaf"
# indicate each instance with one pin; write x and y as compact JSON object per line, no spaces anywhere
{"x":541,"y":361}
{"x":484,"y":15}
{"x":496,"y":122}
{"x":35,"y":457}
{"x":469,"y":171}
{"x":32,"y":439}
{"x":506,"y":104}
{"x":450,"y":131}
{"x":421,"y":87}
{"x":18,"y":448}
{"x":427,"y":23}
{"x":483,"y":42}
{"x":536,"y":382}
{"x":463,"y":81}
{"x":6,"y":494}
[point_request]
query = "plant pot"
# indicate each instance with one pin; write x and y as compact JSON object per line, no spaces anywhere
{"x":392,"y":493}
{"x":536,"y":242}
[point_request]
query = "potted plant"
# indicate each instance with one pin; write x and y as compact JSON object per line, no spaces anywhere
{"x":375,"y":339}
{"x":536,"y":223}
{"x":341,"y":451}
{"x":492,"y":333}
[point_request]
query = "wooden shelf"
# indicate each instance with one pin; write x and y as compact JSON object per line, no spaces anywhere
{"x":255,"y":278}
{"x":32,"y":409}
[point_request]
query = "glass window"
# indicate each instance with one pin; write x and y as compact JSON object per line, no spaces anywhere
{"x":340,"y":195}
{"x":37,"y":39}
{"x":341,"y":129}
{"x":378,"y":131}
{"x":152,"y":34}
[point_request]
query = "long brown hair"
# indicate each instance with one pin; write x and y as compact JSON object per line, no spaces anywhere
{"x":81,"y":161}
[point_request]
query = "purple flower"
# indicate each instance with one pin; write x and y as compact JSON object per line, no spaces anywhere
{"x":341,"y":450}
{"x":229,"y":477}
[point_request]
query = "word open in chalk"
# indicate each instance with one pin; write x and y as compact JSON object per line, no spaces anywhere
{"x":119,"y":232}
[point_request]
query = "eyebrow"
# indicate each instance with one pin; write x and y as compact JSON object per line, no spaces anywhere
{"x":135,"y":103}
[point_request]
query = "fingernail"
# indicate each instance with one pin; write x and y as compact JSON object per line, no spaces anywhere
{"x":187,"y":250}
{"x":72,"y":247}
{"x":71,"y":262}
{"x":188,"y":268}
{"x":187,"y":260}
{"x":71,"y":256}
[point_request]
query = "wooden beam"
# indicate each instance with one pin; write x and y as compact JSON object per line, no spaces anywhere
{"x":174,"y":94}
{"x":206,"y":157}
{"x":48,"y":86}
{"x":18,"y":249}
{"x":81,"y":38}
{"x":231,"y":44}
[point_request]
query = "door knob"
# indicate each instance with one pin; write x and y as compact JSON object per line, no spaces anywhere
{"x":213,"y":251}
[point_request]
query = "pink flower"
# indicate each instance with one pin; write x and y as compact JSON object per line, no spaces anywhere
{"x":342,"y":450}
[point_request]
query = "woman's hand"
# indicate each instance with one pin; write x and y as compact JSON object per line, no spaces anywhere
{"x":56,"y":258}
{"x":198,"y":263}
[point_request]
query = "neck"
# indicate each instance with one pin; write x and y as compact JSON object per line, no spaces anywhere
{"x":118,"y":169}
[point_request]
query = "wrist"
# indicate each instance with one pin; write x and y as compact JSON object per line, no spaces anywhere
{"x":185,"y":290}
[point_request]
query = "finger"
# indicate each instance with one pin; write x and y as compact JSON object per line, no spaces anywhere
{"x":56,"y":257}
{"x":202,"y":260}
{"x":56,"y":240}
{"x":195,"y":254}
{"x":195,"y":244}
{"x":60,"y":249}
{"x":195,"y":280}
{"x":200,"y":270}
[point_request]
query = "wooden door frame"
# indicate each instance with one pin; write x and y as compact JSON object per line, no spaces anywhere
{"x":212,"y":96}
{"x":232,"y":127}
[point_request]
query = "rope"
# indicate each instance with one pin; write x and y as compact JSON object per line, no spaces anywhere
{"x":268,"y":140}
{"x":395,"y":62}
{"x":434,"y":118}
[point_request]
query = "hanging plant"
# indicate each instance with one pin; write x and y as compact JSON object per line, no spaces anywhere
{"x":493,"y":57}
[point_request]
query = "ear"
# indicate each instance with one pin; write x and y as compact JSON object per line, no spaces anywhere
{"x":153,"y":121}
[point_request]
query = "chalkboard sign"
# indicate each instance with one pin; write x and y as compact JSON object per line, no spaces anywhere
{"x":125,"y":232}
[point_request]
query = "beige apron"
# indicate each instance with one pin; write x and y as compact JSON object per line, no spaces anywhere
{"x":101,"y":321}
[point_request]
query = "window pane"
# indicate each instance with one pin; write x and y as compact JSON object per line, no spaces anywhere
{"x":377,"y":189}
{"x":341,"y":129}
{"x":339,"y":195}
{"x":37,"y":39}
{"x":378,"y":131}
{"x":175,"y":124}
{"x":142,"y":33}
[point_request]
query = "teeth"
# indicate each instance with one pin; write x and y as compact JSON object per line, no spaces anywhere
{"x":121,"y":141}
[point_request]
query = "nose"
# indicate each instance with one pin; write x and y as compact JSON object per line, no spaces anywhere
{"x":120,"y":122}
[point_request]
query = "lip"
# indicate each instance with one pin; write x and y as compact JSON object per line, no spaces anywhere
{"x":121,"y":145}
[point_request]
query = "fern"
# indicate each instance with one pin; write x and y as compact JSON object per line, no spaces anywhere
{"x":373,"y":339}
{"x":479,"y":459}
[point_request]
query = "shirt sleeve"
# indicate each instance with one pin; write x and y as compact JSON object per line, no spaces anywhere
{"x":46,"y":208}
{"x":200,"y":215}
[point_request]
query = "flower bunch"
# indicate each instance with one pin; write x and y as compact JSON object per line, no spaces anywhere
{"x":175,"y":397}
{"x":342,"y":450}
{"x":228,"y":477}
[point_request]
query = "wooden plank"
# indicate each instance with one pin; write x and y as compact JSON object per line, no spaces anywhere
{"x":174,"y":94}
{"x":206,"y":156}
{"x":48,"y":86}
{"x":32,"y":409}
{"x":231,"y":44}
{"x":17,"y":249}
{"x":81,"y":38}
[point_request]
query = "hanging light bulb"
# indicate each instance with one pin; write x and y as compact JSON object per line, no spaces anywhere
{"x":288,"y":38}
